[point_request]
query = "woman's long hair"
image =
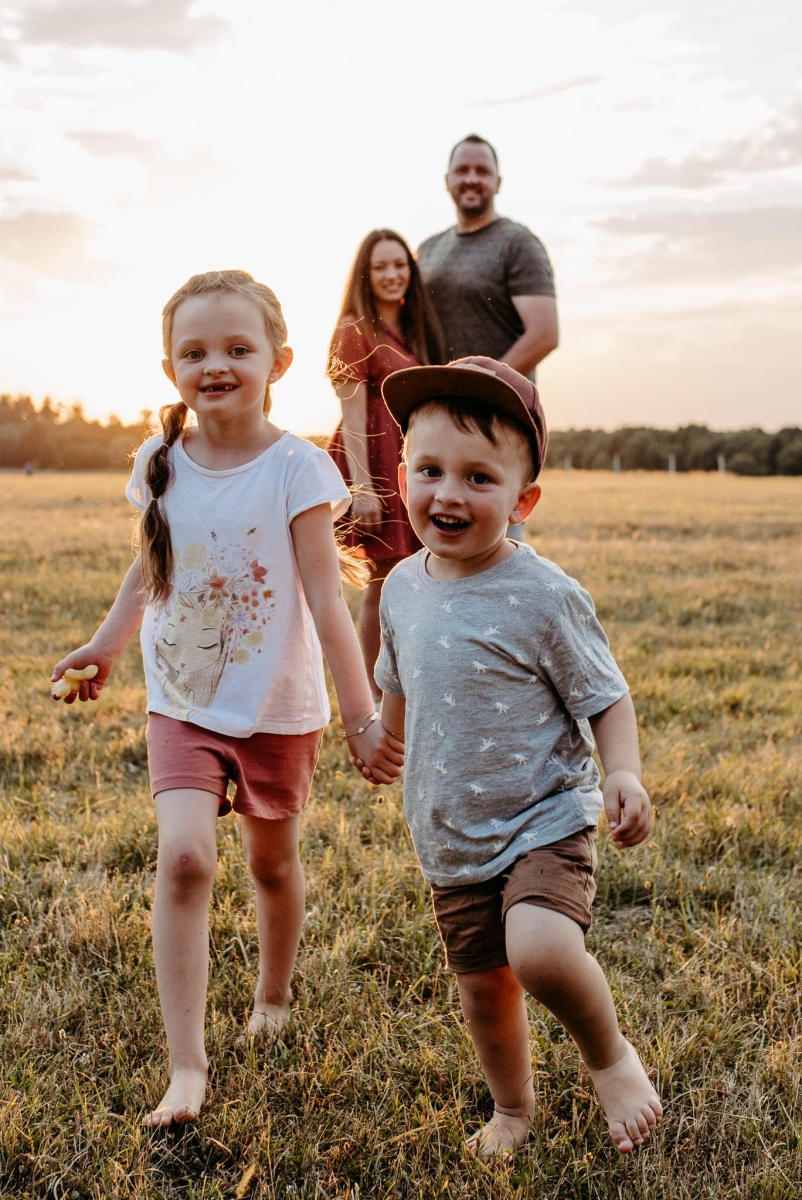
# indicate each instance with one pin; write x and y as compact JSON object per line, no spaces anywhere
{"x":153,"y":535}
{"x":419,"y":324}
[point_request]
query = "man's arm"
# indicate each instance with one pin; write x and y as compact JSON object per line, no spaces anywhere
{"x":540,"y":335}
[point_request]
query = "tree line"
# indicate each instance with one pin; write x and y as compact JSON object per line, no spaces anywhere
{"x":58,"y":437}
{"x":690,"y":448}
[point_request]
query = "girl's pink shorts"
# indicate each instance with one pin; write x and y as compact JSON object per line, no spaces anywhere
{"x":272,"y":772}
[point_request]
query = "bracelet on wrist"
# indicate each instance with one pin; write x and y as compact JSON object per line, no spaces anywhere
{"x":374,"y":716}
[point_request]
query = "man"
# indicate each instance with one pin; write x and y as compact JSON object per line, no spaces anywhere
{"x":489,"y":278}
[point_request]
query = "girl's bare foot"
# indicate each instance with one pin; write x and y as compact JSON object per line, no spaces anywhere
{"x":182,"y":1100}
{"x":267,"y":1021}
{"x":630,"y":1103}
{"x":502,"y":1134}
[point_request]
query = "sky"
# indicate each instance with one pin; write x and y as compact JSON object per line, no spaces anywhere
{"x":655,"y":148}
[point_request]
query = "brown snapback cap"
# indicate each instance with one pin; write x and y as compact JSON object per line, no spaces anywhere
{"x":478,"y":378}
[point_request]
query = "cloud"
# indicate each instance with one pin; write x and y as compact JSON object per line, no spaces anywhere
{"x":168,"y":175}
{"x":120,"y":144}
{"x":735,"y":364}
{"x":15,"y":175}
{"x":121,"y":24}
{"x":775,"y":147}
{"x":47,"y":243}
{"x":721,"y":244}
{"x":540,"y":93}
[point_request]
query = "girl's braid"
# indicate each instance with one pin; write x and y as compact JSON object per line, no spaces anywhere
{"x":156,"y":547}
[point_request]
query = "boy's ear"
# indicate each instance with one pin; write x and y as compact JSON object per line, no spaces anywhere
{"x":402,"y":482}
{"x":281,"y":364}
{"x":167,"y":367}
{"x":525,"y":503}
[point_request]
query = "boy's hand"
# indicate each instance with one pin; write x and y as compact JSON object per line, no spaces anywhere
{"x":627,"y":807}
{"x":88,"y":655}
{"x":377,"y":753}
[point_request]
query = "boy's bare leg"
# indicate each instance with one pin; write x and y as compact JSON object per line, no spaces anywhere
{"x":547,"y":954}
{"x":271,"y":850}
{"x":185,"y":871}
{"x":495,"y":1012}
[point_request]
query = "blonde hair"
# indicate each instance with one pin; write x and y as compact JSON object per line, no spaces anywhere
{"x":237,"y":283}
{"x":153,"y":535}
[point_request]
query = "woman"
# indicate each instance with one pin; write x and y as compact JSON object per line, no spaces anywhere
{"x":385,"y":324}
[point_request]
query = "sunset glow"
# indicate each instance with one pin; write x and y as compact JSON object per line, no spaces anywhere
{"x":656,"y":151}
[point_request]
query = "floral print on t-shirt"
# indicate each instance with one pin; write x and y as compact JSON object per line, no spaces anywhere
{"x":214,"y":618}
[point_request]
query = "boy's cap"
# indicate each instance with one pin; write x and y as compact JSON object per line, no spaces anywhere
{"x":493,"y":383}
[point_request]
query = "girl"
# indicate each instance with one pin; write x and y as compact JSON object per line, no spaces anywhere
{"x":236,"y":587}
{"x":385,"y":323}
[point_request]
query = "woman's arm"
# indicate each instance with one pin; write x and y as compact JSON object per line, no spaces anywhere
{"x":366,"y":507}
{"x":119,"y":626}
{"x":316,"y":555}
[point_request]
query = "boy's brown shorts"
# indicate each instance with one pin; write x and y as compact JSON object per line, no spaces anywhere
{"x":471,"y":918}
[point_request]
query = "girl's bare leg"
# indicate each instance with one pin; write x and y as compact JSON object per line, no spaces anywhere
{"x":184,"y":876}
{"x":369,"y":627}
{"x":271,"y":850}
{"x":495,"y":1011}
{"x":547,"y":954}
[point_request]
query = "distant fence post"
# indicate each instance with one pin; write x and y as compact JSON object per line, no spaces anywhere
{"x":672,"y":464}
{"x":567,"y":464}
{"x":722,"y":464}
{"x":617,"y":463}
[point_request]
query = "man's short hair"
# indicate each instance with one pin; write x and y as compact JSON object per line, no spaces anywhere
{"x":474,"y":416}
{"x":475,"y":140}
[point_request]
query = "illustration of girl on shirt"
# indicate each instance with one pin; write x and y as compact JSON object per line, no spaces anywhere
{"x":216,"y":615}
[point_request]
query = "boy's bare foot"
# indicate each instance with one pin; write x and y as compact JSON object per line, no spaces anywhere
{"x":267,"y":1021}
{"x":630,"y":1103}
{"x":182,"y":1100}
{"x":502,"y":1134}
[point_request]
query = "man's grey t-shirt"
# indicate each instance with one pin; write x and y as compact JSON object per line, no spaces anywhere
{"x":472,"y":277}
{"x":500,"y":672}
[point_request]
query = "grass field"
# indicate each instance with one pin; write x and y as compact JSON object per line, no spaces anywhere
{"x":698,"y":580}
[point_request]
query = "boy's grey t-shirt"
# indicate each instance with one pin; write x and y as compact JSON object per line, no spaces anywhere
{"x":500,"y":672}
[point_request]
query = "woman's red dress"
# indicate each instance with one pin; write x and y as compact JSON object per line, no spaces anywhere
{"x":356,"y":362}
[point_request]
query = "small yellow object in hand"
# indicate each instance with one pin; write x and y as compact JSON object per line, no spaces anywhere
{"x":71,"y":677}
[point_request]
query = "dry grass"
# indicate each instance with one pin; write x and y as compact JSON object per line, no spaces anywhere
{"x":699,"y":582}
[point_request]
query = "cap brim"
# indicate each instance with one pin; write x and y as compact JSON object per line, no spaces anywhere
{"x":404,"y":390}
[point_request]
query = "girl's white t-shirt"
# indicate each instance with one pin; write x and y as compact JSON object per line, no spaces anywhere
{"x":234,"y":648}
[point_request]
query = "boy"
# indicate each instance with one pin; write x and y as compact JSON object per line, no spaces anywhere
{"x":496,"y":670}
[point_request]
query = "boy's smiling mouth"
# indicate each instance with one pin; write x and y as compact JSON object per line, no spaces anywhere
{"x":448,"y":524}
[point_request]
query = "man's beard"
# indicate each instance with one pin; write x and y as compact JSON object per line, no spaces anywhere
{"x":481,"y":204}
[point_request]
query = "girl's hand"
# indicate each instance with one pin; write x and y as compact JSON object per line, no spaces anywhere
{"x":366,"y":507}
{"x":88,"y":655}
{"x":628,"y":808}
{"x":377,"y":753}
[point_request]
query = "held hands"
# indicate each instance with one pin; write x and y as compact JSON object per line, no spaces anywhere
{"x":627,"y":807}
{"x":79,"y":661}
{"x":377,"y":753}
